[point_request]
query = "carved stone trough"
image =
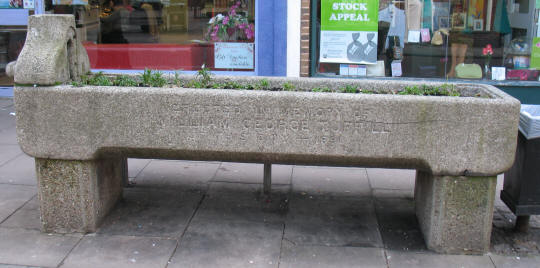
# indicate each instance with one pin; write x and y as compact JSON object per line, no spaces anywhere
{"x":81,"y":137}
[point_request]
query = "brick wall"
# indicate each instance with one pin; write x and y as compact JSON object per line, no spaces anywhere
{"x":304,"y":38}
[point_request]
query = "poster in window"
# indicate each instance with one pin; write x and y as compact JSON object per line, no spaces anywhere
{"x":349,"y":31}
{"x":234,"y":55}
{"x":11,"y":3}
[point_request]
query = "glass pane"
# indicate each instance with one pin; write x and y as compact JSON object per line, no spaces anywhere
{"x":164,"y":34}
{"x":446,"y":39}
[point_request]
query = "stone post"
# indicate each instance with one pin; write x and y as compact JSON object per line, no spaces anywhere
{"x":455,"y":212}
{"x":75,"y":195}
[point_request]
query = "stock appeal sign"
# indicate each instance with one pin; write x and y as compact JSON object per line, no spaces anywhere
{"x":349,"y":31}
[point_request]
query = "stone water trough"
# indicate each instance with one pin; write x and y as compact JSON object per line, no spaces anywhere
{"x":81,"y":136}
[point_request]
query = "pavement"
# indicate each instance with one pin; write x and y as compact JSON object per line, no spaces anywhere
{"x":212,"y":214}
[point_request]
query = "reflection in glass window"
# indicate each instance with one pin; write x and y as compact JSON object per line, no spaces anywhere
{"x":164,"y":34}
{"x":446,"y":39}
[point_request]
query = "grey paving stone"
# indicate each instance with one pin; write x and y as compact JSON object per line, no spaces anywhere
{"x":167,"y":173}
{"x":430,"y":260}
{"x":8,"y":136}
{"x":151,"y":212}
{"x":515,"y":261}
{"x":331,"y":221}
{"x":26,"y":217}
{"x":8,"y":152}
{"x":392,"y":179}
{"x":229,"y":244}
{"x":120,"y":251}
{"x":135,"y":166}
{"x":398,"y":224}
{"x":244,"y":202}
{"x":7,"y":118}
{"x":32,"y":248}
{"x":21,"y":170}
{"x":12,"y":197}
{"x":6,"y":102}
{"x":332,"y":181}
{"x":252,"y":173}
{"x":390,"y":193}
{"x":17,"y":266}
{"x":317,"y":256}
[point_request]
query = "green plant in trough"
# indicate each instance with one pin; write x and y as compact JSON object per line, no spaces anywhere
{"x":98,"y":79}
{"x":321,"y":89}
{"x":264,"y":84}
{"x":348,"y":89}
{"x":177,"y":81}
{"x":426,"y":90}
{"x":153,"y":78}
{"x":125,"y":81}
{"x":287,"y":86}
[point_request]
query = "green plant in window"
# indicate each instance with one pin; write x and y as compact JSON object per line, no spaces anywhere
{"x":287,"y":86}
{"x":125,"y":81}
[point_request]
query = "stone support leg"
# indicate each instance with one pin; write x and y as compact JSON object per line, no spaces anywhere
{"x":74,"y":195}
{"x":455,"y":212}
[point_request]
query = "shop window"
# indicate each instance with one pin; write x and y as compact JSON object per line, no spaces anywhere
{"x":445,"y":39}
{"x":164,"y":34}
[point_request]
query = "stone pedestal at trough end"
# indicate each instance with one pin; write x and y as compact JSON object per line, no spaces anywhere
{"x":455,"y":212}
{"x":75,"y":196}
{"x":81,"y":136}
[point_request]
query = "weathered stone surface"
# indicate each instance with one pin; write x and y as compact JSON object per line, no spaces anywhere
{"x":52,"y":53}
{"x":455,"y":212}
{"x":75,"y":196}
{"x":444,"y":135}
{"x":10,"y":69}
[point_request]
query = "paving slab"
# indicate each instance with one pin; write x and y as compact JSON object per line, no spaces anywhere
{"x":7,"y":117}
{"x":151,"y":212}
{"x":229,"y":244}
{"x":17,"y":266}
{"x":515,"y":261}
{"x":316,"y":256}
{"x":391,"y":193}
{"x":8,"y":136}
{"x":8,"y":152}
{"x":327,"y":221}
{"x":120,"y":251}
{"x":26,"y":217}
{"x":398,"y":224}
{"x":431,"y":260}
{"x":244,"y":202}
{"x":391,"y":179}
{"x":32,"y":248}
{"x":12,"y":197}
{"x":6,"y":102}
{"x":167,"y":173}
{"x":331,"y":181}
{"x":252,"y":173}
{"x":135,"y":166}
{"x":21,"y":170}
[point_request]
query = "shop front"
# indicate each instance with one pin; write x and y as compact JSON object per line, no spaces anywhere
{"x":13,"y":19}
{"x":238,"y":37}
{"x":485,"y":41}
